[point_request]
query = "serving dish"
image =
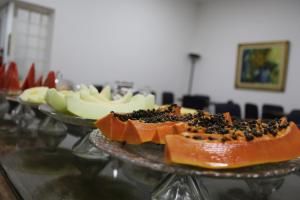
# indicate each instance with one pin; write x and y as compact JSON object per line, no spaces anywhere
{"x":265,"y":178}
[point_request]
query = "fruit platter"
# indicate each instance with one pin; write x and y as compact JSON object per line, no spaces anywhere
{"x":214,"y":145}
{"x":167,"y":138}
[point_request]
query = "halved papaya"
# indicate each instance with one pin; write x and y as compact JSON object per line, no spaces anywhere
{"x":137,"y":128}
{"x":234,"y":153}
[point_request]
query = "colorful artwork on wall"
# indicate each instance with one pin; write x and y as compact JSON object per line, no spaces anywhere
{"x":262,"y":65}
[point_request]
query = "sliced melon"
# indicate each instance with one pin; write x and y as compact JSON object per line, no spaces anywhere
{"x":91,"y":110}
{"x":34,"y":95}
{"x":57,"y":99}
{"x":125,"y":99}
{"x":93,"y":90}
{"x":106,"y":92}
{"x":86,"y":96}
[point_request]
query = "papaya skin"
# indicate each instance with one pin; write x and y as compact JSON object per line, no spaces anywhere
{"x":234,"y":154}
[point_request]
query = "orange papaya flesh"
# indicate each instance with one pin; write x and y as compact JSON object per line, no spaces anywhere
{"x":234,"y":153}
{"x":138,"y":132}
{"x":118,"y":129}
{"x":112,"y":127}
{"x":105,"y":125}
{"x":133,"y":128}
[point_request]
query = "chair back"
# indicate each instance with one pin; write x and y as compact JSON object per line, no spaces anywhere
{"x":198,"y":102}
{"x":167,"y":98}
{"x":272,"y":111}
{"x":294,"y":116}
{"x":233,"y":108}
{"x":251,"y":111}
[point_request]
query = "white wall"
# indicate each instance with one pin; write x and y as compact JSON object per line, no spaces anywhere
{"x":145,"y":41}
{"x":225,"y":23}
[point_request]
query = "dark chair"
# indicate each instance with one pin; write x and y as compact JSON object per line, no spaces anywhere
{"x":294,"y":116}
{"x":272,"y":111}
{"x":167,"y":98}
{"x":233,"y":108}
{"x":251,"y":111}
{"x":195,"y":101}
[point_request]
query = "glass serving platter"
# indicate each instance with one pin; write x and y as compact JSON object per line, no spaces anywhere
{"x":66,"y":118}
{"x":151,"y":156}
{"x":26,"y":103}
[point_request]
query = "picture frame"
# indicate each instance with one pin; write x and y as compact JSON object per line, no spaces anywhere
{"x":262,"y":65}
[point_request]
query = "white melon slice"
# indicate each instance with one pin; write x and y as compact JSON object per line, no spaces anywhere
{"x":86,"y":96}
{"x":83,"y":87}
{"x":106,"y":92}
{"x":93,"y":90}
{"x":34,"y":95}
{"x":150,"y":102}
{"x":90,"y":110}
{"x":57,"y":99}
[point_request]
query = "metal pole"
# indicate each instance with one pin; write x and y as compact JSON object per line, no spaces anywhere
{"x":194,"y":58}
{"x":191,"y":77}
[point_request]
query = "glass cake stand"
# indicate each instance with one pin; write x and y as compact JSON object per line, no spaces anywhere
{"x":87,"y":158}
{"x":184,"y":182}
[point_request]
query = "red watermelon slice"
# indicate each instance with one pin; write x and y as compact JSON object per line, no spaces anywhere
{"x":2,"y":76}
{"x":50,"y":80}
{"x":29,"y":81}
{"x":12,"y":84}
{"x":39,"y":82}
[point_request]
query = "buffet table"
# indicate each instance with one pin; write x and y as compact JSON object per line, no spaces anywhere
{"x":28,"y":171}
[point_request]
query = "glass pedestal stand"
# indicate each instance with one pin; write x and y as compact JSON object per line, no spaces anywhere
{"x":188,"y":187}
{"x":180,"y":187}
{"x":185,"y":182}
{"x":4,"y":106}
{"x":52,"y":133}
{"x":261,"y":189}
{"x":88,"y":159}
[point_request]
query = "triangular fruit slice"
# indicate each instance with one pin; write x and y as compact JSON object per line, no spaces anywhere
{"x":12,"y":83}
{"x":2,"y":77}
{"x":39,"y":82}
{"x":29,"y":81}
{"x":50,"y":80}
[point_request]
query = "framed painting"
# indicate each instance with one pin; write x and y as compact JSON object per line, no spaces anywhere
{"x":262,"y":65}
